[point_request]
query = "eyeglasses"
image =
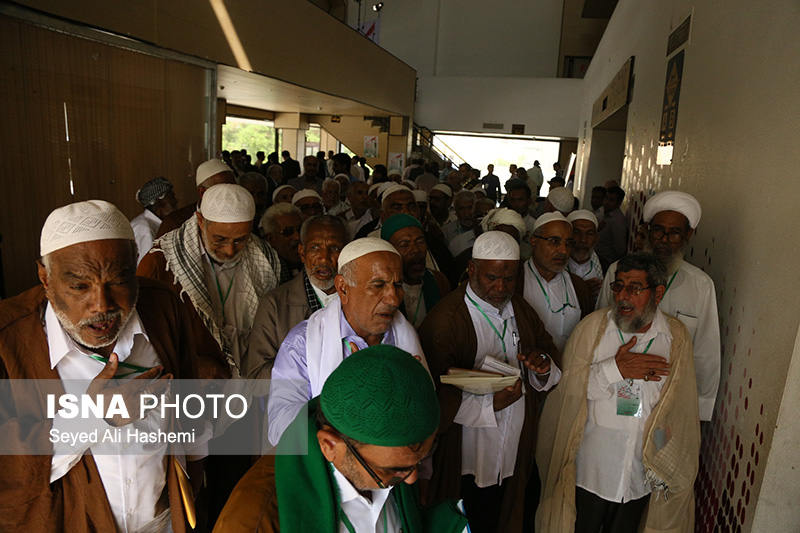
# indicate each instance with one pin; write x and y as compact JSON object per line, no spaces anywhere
{"x":291,"y":230}
{"x":558,"y":241}
{"x":311,"y":207}
{"x":400,"y":474}
{"x":635,"y":290}
{"x":658,"y":232}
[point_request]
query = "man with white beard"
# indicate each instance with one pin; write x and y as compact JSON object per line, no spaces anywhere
{"x":690,"y":296}
{"x":623,"y":425}
{"x":583,"y":260}
{"x":321,"y":239}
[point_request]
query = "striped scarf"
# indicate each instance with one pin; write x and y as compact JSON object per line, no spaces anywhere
{"x":183,"y":251}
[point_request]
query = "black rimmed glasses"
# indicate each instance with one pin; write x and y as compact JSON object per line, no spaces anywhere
{"x":674,"y":236}
{"x":636,"y":290}
{"x":557,"y":241}
{"x":399,"y":474}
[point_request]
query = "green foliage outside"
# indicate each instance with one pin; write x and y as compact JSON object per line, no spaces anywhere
{"x":252,"y":137}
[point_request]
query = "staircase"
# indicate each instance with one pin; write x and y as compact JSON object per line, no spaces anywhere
{"x":428,"y":146}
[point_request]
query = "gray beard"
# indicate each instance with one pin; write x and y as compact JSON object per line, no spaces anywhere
{"x":636,"y":321}
{"x":74,"y":330}
{"x":673,"y":262}
{"x":324,"y":286}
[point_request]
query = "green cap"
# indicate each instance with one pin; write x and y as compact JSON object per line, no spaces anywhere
{"x":381,"y":396}
{"x":397,"y":222}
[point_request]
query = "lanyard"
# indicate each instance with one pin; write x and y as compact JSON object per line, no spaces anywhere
{"x":670,"y":282}
{"x":545,"y":292}
{"x":505,"y":324}
{"x":591,"y":268}
{"x":223,"y":299}
{"x":136,"y":369}
{"x":646,"y":347}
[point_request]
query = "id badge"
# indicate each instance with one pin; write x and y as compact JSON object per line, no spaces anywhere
{"x":629,"y":398}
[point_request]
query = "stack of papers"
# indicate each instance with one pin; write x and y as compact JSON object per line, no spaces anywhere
{"x":494,"y":376}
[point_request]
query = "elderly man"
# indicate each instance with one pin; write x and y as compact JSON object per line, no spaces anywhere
{"x":464,"y":203}
{"x":486,"y":441}
{"x":92,"y":320}
{"x":330,"y":198}
{"x":370,"y":289}
{"x":281,"y":226}
{"x":612,"y":242}
{"x":583,"y":261}
{"x":423,"y":287}
{"x":222,"y":271}
{"x":439,"y":199}
{"x":364,"y":449}
{"x":208,"y":174}
{"x":357,"y":202}
{"x":690,"y":296}
{"x":559,"y":297}
{"x":464,"y":241}
{"x":158,"y":200}
{"x":308,"y":202}
{"x":309,"y":179}
{"x":624,"y":434}
{"x":257,"y":186}
{"x":283,"y":194}
{"x":321,"y":240}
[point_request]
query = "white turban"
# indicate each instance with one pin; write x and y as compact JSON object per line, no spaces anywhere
{"x":504,"y":216}
{"x":93,"y":220}
{"x":495,"y":246}
{"x":548,"y":218}
{"x":441,"y":187}
{"x":305,"y":193}
{"x":364,"y":246}
{"x":391,"y":189}
{"x":279,"y":189}
{"x":228,"y":203}
{"x":210,"y":168}
{"x":583,"y":214}
{"x":562,"y":199}
{"x":683,"y":203}
{"x":410,"y":184}
{"x":420,"y":195}
{"x":374,"y":186}
{"x":342,"y":175}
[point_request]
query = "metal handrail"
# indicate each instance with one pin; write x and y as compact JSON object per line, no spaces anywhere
{"x":431,"y":139}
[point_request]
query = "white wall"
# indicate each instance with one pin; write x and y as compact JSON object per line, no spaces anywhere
{"x":736,"y":152}
{"x":546,"y":106}
{"x":512,"y":38}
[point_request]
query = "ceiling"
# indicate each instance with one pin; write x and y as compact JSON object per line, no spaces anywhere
{"x":248,"y":89}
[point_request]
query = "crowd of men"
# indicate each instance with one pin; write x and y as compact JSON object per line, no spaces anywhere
{"x":352,"y":291}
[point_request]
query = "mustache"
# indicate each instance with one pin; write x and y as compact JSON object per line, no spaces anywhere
{"x":387,"y":309}
{"x":623,"y":304}
{"x":102,"y":317}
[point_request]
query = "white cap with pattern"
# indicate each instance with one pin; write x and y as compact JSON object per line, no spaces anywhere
{"x":228,"y":203}
{"x":92,"y":220}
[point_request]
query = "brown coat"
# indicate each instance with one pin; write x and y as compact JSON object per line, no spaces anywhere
{"x":448,"y":339}
{"x":253,"y":505}
{"x":77,"y":501}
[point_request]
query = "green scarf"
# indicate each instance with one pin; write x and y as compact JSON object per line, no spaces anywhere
{"x":430,"y":294}
{"x":307,"y":490}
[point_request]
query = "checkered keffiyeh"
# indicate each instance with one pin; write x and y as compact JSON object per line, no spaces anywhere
{"x":311,"y":296}
{"x":152,"y":191}
{"x":183,"y":251}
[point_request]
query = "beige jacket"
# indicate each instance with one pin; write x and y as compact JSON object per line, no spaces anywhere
{"x":674,"y":425}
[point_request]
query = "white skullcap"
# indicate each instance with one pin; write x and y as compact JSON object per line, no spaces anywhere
{"x":583,"y":214}
{"x":394,"y":172}
{"x":420,"y":195}
{"x":391,"y":189}
{"x":228,"y":203}
{"x":562,"y":199}
{"x":210,"y":168}
{"x":93,"y":220}
{"x":548,"y":218}
{"x":342,"y":175}
{"x":364,"y":246}
{"x":495,"y":246}
{"x":478,"y":189}
{"x":441,"y":187}
{"x":279,"y":189}
{"x":410,"y":184}
{"x":305,"y":193}
{"x":504,"y":216}
{"x":373,"y":187}
{"x":683,"y":203}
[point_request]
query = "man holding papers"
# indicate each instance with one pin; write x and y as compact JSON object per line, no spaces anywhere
{"x":486,"y":441}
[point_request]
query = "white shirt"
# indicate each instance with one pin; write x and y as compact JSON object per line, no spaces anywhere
{"x":462,"y":242}
{"x":415,"y":304}
{"x":338,"y":209}
{"x":366,"y":516}
{"x":609,"y":461}
{"x":690,"y":298}
{"x":133,"y":481}
{"x":451,"y":230}
{"x":225,"y":286}
{"x":489,"y":439}
{"x":591,"y":269}
{"x":562,"y":312}
{"x":145,"y":227}
{"x":324,"y":299}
